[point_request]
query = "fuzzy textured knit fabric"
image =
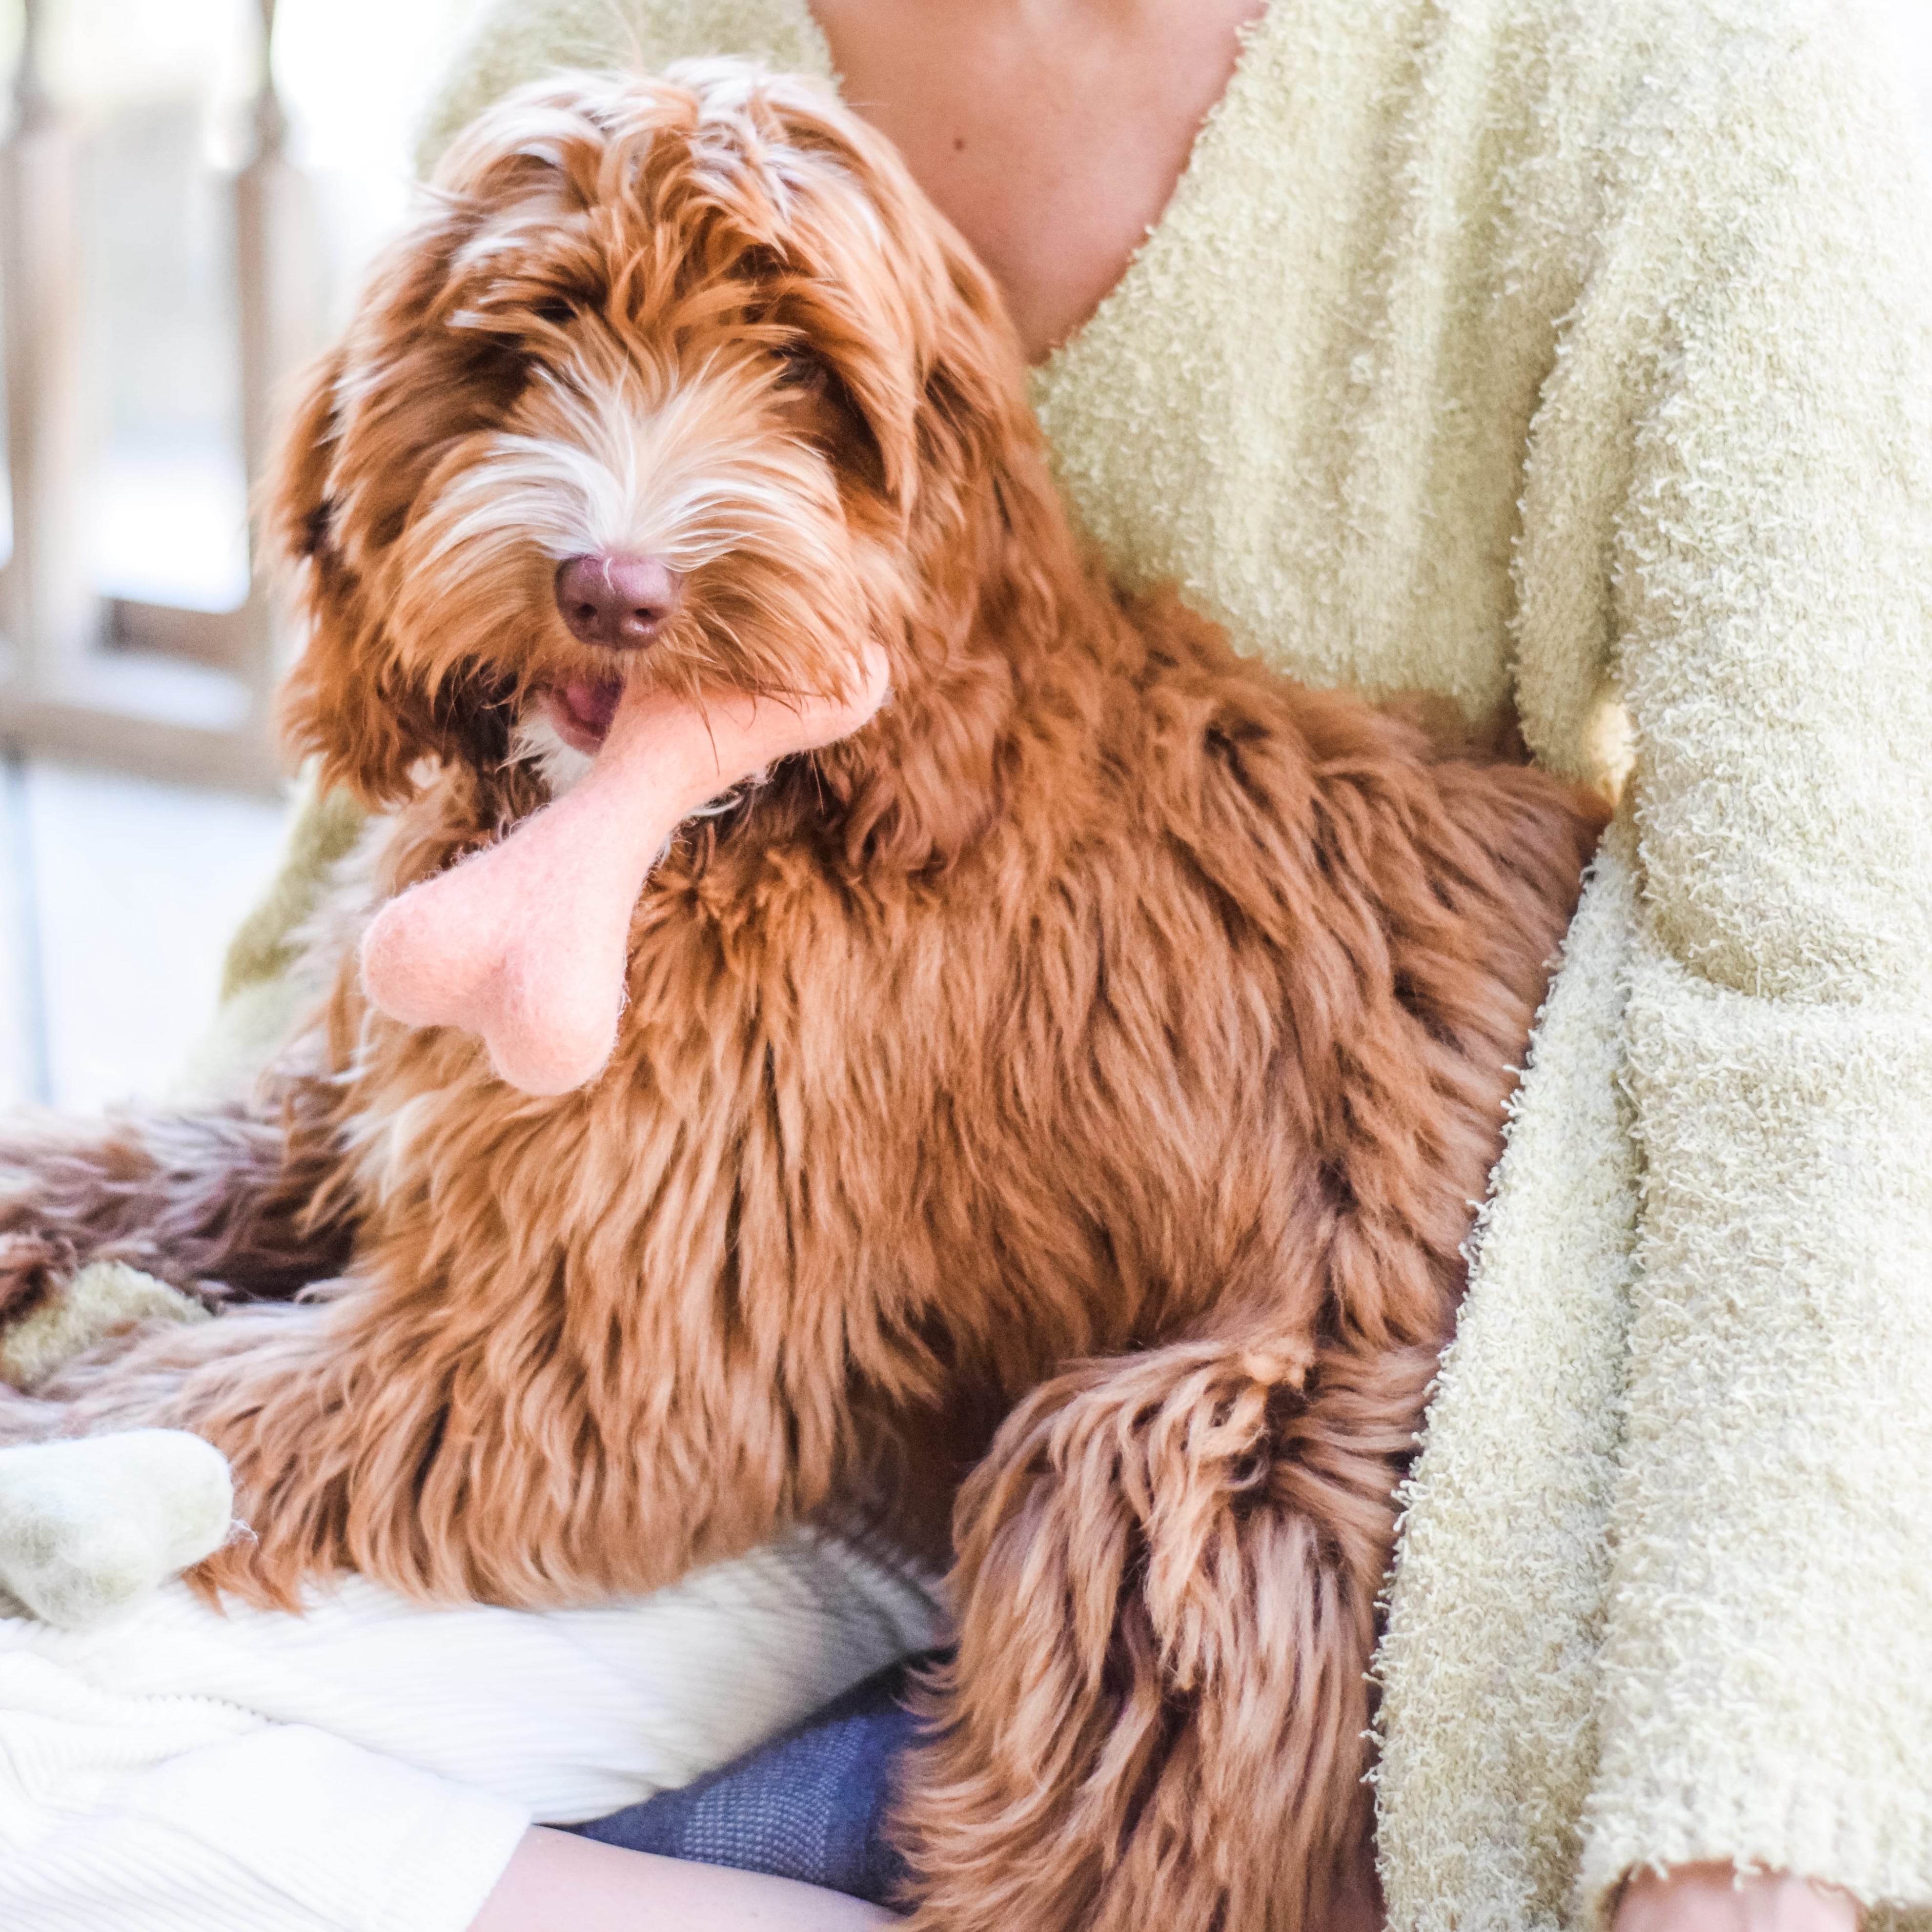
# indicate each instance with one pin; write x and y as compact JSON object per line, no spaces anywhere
{"x":1579,"y":353}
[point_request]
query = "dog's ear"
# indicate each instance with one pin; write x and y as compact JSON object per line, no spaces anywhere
{"x":949,"y":435}
{"x":988,"y":536}
{"x":343,"y":701}
{"x":973,"y":422}
{"x":926,"y":350}
{"x":369,"y":423}
{"x":426,"y":364}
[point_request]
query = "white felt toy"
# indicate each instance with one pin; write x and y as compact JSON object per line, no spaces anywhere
{"x":91,"y":1527}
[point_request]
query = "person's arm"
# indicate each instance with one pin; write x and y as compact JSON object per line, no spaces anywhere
{"x":519,"y":40}
{"x":556,"y":1883}
{"x":1736,"y":452}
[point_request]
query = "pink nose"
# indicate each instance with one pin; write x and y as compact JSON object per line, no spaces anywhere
{"x":617,"y":601}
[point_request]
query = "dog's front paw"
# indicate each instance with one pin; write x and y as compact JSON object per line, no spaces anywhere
{"x":91,"y":1526}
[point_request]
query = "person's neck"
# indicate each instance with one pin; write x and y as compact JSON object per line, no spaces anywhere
{"x":1051,"y":132}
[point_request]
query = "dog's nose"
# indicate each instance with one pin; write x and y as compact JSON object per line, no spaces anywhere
{"x":617,"y":601}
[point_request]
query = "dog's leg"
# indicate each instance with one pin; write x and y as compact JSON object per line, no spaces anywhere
{"x":270,"y":1384}
{"x":220,"y":1200}
{"x":1167,"y":1581}
{"x":458,"y":1443}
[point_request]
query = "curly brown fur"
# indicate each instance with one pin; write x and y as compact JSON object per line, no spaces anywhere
{"x":1079,"y":1078}
{"x":1167,"y":1574}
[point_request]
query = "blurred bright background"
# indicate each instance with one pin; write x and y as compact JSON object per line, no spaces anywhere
{"x":118,"y":893}
{"x":163,"y":87}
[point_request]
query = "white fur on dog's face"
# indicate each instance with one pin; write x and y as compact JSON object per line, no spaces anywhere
{"x":701,"y":469}
{"x":600,"y":455}
{"x":535,"y":741}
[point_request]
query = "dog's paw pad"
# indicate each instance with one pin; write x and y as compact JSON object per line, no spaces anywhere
{"x":101,"y":1298}
{"x":92,"y":1526}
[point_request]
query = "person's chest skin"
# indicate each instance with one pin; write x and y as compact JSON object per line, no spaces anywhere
{"x":1051,"y":133}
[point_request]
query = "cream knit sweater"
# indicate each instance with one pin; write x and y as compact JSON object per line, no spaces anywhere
{"x":1579,"y":351}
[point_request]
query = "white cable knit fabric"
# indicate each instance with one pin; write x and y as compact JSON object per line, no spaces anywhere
{"x":370,"y":1767}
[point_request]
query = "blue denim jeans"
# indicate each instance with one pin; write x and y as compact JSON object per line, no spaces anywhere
{"x":811,"y":1804}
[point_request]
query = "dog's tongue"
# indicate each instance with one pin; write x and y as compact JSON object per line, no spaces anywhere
{"x":525,"y":944}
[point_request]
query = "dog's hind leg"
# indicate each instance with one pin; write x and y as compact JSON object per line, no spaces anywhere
{"x":1168,"y":1567}
{"x":221,"y":1202}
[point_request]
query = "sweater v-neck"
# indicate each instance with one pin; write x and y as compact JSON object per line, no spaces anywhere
{"x":1202,"y":155}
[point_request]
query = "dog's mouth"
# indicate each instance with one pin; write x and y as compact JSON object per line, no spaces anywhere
{"x":581,"y":711}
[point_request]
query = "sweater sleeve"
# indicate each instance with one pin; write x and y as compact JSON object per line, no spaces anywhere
{"x":1736,"y":447}
{"x":519,"y":40}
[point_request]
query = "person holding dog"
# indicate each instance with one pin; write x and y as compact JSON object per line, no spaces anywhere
{"x":1557,"y":367}
{"x":1263,"y":257}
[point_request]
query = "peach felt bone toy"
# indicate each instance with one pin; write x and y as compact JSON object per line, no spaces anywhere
{"x":524,"y":944}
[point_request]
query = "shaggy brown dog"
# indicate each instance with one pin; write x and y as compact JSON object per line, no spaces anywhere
{"x":1079,"y":1078}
